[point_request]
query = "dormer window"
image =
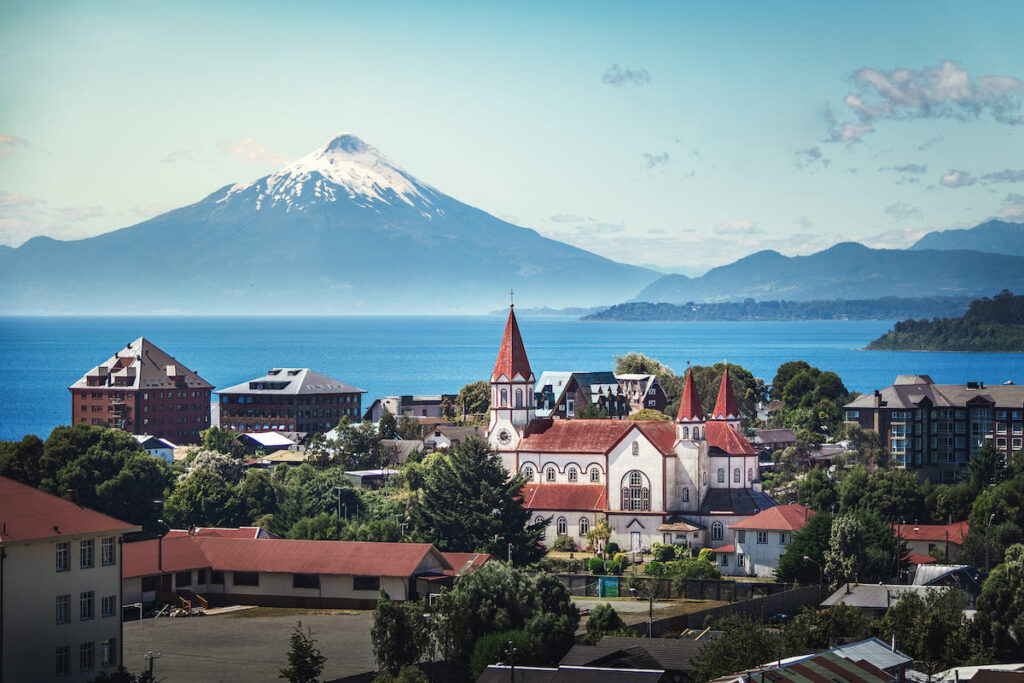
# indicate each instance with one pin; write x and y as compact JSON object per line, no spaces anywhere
{"x":636,"y":448}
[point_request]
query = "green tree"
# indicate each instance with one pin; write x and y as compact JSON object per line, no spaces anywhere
{"x":996,"y":522}
{"x":469,"y":504}
{"x":812,"y":541}
{"x":634,"y":363}
{"x":748,"y":389}
{"x":305,"y":663}
{"x":475,"y":398}
{"x":493,"y":648}
{"x":649,"y":414}
{"x":986,"y":467}
{"x":817,"y":490}
{"x":554,"y":624}
{"x":409,"y":429}
{"x":203,"y":499}
{"x":814,"y":630}
{"x":785,"y":373}
{"x":222,"y":441}
{"x":931,"y":628}
{"x":861,"y":548}
{"x":745,"y":644}
{"x":799,"y":391}
{"x":400,"y":634}
{"x":589,"y":411}
{"x":228,"y":467}
{"x":603,"y":621}
{"x":1000,"y":615}
{"x":895,"y":495}
{"x":259,"y":494}
{"x":19,"y":460}
{"x":387,"y":426}
{"x":949,"y":503}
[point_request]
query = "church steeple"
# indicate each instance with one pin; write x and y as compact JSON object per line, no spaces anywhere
{"x":513,"y":404}
{"x":726,"y":407}
{"x":512,"y":360}
{"x":690,"y":418}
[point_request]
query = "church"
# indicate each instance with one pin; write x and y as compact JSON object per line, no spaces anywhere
{"x":671,"y":482}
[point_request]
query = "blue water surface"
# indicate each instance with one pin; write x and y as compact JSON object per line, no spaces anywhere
{"x":428,"y":355}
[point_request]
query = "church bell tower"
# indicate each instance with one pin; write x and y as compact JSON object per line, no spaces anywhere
{"x":512,"y":398}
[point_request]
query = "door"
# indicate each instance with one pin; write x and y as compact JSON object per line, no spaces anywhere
{"x":634,"y":541}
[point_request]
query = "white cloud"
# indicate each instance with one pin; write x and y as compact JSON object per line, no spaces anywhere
{"x":902,"y":211}
{"x":9,"y":144}
{"x":618,"y":77}
{"x":23,"y":217}
{"x":1013,"y":206}
{"x":1008,"y":175}
{"x":849,"y":133}
{"x":956,"y":179}
{"x":741,"y":227}
{"x":906,"y":168}
{"x":569,"y":218}
{"x":248,"y":149}
{"x":75,"y":214}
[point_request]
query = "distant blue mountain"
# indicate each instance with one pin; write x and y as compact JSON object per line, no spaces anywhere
{"x":845,"y":271}
{"x":342,"y":230}
{"x":995,"y":237}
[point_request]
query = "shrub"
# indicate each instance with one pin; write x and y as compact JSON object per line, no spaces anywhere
{"x":603,"y":620}
{"x":596,"y":565}
{"x":564,"y":544}
{"x":664,"y":553}
{"x":622,"y":559}
{"x":613,"y":567}
{"x":491,"y":649}
{"x":674,"y":567}
{"x":654,"y":568}
{"x":611,"y":549}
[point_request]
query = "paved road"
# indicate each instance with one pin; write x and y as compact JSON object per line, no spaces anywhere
{"x":232,"y":648}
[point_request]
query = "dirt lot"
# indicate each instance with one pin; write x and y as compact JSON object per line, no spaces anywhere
{"x":244,"y":647}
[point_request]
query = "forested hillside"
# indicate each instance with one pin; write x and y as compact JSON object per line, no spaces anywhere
{"x":995,"y":325}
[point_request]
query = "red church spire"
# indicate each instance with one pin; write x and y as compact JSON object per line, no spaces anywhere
{"x":690,"y":409}
{"x":726,"y":405}
{"x":512,"y":359}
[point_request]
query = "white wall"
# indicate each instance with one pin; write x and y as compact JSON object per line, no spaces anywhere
{"x":648,"y":460}
{"x":561,"y":462}
{"x":760,"y":559}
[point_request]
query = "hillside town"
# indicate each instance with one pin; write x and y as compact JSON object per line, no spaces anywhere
{"x":611,"y":524}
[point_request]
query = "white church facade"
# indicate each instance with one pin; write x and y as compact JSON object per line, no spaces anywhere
{"x":688,"y":480}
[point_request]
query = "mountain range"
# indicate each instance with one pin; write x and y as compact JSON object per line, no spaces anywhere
{"x":341,"y":230}
{"x":995,"y":237}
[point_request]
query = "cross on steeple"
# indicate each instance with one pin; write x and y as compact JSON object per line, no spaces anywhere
{"x":511,"y":298}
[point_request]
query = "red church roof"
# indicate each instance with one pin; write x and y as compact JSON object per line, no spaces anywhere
{"x":792,"y":517}
{"x":726,"y":405}
{"x":585,"y":497}
{"x":690,"y":408}
{"x":722,"y":436}
{"x":30,"y":514}
{"x":512,"y":359}
{"x":593,"y":436}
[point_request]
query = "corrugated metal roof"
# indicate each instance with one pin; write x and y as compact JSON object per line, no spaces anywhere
{"x":28,"y":514}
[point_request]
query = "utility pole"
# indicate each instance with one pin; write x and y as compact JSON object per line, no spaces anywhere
{"x":150,"y":656}
{"x":511,"y":652}
{"x":510,"y":554}
{"x":987,"y":545}
{"x":338,"y":489}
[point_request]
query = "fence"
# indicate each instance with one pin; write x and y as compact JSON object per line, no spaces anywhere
{"x":588,"y":585}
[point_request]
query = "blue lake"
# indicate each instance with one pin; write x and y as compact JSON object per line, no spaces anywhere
{"x":430,"y":355}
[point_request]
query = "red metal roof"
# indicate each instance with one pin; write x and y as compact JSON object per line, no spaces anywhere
{"x":731,"y":548}
{"x":465,"y":562}
{"x":564,"y":497}
{"x":279,"y":556}
{"x":916,"y":558}
{"x":512,"y":359}
{"x":954,"y":533}
{"x":726,"y":405}
{"x":593,"y":436}
{"x":690,"y":407}
{"x":240,"y":532}
{"x":792,"y":517}
{"x":26,"y":513}
{"x":722,"y":436}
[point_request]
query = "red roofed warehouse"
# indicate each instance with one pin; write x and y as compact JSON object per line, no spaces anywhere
{"x":228,"y":569}
{"x":60,"y":582}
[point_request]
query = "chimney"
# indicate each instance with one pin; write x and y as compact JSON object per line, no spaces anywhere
{"x":878,"y":398}
{"x":70,"y":495}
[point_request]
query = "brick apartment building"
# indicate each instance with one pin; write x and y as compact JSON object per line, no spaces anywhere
{"x":289,"y":400}
{"x":142,"y":390}
{"x":938,"y":428}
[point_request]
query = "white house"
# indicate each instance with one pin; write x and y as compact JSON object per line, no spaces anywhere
{"x":157,"y":447}
{"x":687,"y":480}
{"x":60,"y":582}
{"x":760,"y":540}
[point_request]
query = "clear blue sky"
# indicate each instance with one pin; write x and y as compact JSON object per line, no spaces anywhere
{"x":679,"y":134}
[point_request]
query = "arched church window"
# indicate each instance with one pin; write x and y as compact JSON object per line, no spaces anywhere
{"x":686,"y":432}
{"x":721,"y":475}
{"x":716,"y":531}
{"x":584,"y":526}
{"x":528,"y":473}
{"x":519,"y":398}
{"x":572,"y":474}
{"x":561,"y":526}
{"x":504,"y":398}
{"x":538,"y":519}
{"x":636,"y":448}
{"x":636,"y":492}
{"x":686,"y":495}
{"x":750,"y":474}
{"x":595,"y":474}
{"x":550,"y":474}
{"x":696,"y":432}
{"x":736,"y":475}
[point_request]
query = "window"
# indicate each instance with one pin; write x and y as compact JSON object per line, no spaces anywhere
{"x":366,"y":583}
{"x":716,"y":531}
{"x":686,"y":495}
{"x":652,"y":403}
{"x":109,"y":652}
{"x":86,"y":656}
{"x":85,"y":554}
{"x":572,"y":474}
{"x":721,"y":475}
{"x":183,"y":579}
{"x":538,"y":520}
{"x":736,"y":475}
{"x":85,"y":605}
{"x":107,"y":556}
{"x":696,"y":432}
{"x":741,"y":536}
{"x":504,"y":398}
{"x":305,"y":580}
{"x":725,"y":559}
{"x":63,"y":557}
{"x":245,"y":579}
{"x":560,"y":526}
{"x":782,"y":538}
{"x":63,"y":661}
{"x":739,"y":560}
{"x":200,"y":576}
{"x":63,"y":609}
{"x":550,"y":474}
{"x":636,"y":448}
{"x":762,"y":537}
{"x":686,"y":432}
{"x":595,"y":474}
{"x":750,"y":474}
{"x":584,"y":526}
{"x":519,"y":398}
{"x":528,"y":473}
{"x":109,"y":605}
{"x":150,"y":583}
{"x":635,"y":492}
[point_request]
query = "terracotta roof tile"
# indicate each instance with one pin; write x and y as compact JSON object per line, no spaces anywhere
{"x":722,"y":436}
{"x":565,"y":497}
{"x":240,"y":532}
{"x":731,"y":548}
{"x":512,"y":358}
{"x":916,"y":558}
{"x":593,"y":436}
{"x":792,"y":517}
{"x":30,"y":514}
{"x":954,"y":533}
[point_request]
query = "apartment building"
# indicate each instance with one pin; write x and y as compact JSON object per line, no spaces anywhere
{"x":143,"y":390}
{"x":60,"y":582}
{"x":289,"y":400}
{"x":938,"y":428}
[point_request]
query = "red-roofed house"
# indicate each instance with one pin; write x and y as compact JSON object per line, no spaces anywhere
{"x":761,"y":539}
{"x":240,"y":532}
{"x":928,"y":539}
{"x":279,"y":572}
{"x":645,"y":478}
{"x":60,"y":587}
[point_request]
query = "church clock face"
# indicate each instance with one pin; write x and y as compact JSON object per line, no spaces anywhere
{"x":504,"y":437}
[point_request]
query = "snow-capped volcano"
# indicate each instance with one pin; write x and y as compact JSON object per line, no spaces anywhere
{"x":346,"y":167}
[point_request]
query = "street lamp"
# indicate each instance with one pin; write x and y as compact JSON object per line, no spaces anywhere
{"x":338,"y":490}
{"x":987,"y":545}
{"x":821,"y":572}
